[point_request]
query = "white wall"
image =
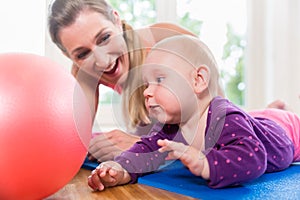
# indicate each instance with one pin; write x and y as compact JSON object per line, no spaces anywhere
{"x":273,"y":53}
{"x":51,"y":50}
{"x":24,"y":29}
{"x":166,"y":10}
{"x":22,"y":26}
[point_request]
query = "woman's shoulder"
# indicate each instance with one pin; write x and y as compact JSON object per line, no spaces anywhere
{"x":167,"y":25}
{"x":169,"y":28}
{"x":153,"y":33}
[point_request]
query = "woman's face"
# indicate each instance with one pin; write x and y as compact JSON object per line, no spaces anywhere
{"x":96,"y":45}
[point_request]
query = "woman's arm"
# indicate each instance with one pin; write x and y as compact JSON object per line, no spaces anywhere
{"x":106,"y":146}
{"x":90,"y":87}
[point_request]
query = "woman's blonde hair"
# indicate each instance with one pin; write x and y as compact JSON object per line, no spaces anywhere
{"x":133,"y":98}
{"x":63,"y":13}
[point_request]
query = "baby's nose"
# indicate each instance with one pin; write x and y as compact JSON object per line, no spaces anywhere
{"x":148,"y":92}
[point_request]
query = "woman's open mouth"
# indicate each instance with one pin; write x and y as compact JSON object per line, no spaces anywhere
{"x":112,"y":68}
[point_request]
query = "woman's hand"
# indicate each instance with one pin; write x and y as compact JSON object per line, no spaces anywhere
{"x":105,"y":146}
{"x":108,"y":174}
{"x":191,"y":157}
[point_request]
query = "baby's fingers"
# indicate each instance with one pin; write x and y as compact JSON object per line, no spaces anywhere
{"x":94,"y":181}
{"x":101,"y":170}
{"x":168,"y":145}
{"x":165,"y":145}
{"x":92,"y":184}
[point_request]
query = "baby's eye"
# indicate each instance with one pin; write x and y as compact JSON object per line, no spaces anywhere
{"x":160,"y":79}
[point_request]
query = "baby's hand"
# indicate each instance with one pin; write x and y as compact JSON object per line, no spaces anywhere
{"x":175,"y":149}
{"x":191,"y":157}
{"x":107,"y":174}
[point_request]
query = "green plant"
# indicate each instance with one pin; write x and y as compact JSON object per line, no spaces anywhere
{"x":193,"y":25}
{"x":234,"y":53}
{"x":136,"y":12}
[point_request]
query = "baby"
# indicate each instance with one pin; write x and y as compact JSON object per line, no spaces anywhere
{"x":218,"y":141}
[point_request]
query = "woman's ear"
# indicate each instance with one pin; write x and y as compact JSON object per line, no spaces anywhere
{"x":117,"y":19}
{"x":201,"y":79}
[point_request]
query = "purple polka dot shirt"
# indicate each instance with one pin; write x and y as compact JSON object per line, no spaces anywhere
{"x":238,"y":147}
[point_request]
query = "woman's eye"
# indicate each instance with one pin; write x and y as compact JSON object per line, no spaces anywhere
{"x":82,"y":55}
{"x":160,"y":79}
{"x":103,"y":39}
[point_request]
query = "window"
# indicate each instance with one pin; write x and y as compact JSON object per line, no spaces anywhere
{"x":137,"y":13}
{"x":222,"y":26}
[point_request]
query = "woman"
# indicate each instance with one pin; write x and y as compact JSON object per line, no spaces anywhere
{"x":105,"y":50}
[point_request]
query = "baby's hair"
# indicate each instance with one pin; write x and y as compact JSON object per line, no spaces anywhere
{"x":195,"y":52}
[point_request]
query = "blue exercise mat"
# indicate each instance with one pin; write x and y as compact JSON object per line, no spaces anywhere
{"x":90,"y":165}
{"x":177,"y":178}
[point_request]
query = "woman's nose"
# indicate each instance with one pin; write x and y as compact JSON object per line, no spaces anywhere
{"x":101,"y":58}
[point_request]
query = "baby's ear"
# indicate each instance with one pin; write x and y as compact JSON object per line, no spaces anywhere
{"x":201,"y":79}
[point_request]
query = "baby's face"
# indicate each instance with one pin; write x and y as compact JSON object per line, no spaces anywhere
{"x":169,"y":96}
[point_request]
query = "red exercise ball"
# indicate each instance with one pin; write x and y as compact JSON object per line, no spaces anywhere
{"x":45,"y":126}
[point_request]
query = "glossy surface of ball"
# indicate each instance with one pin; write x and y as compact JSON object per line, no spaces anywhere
{"x":45,"y":126}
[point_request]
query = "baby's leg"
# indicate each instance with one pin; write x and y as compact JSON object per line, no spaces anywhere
{"x":289,"y":121}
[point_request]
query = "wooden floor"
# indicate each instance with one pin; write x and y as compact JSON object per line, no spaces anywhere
{"x":78,"y":189}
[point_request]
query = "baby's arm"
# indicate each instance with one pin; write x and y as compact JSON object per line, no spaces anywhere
{"x":108,"y":174}
{"x":192,"y":158}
